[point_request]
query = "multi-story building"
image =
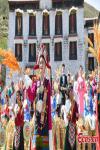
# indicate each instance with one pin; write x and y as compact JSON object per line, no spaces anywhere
{"x":59,"y":24}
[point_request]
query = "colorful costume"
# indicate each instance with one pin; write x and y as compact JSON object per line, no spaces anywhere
{"x":70,"y":139}
{"x":42,"y":114}
{"x":81,"y":92}
{"x":18,"y":135}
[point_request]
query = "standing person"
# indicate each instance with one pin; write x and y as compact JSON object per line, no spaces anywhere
{"x":18,"y":143}
{"x":63,"y":84}
{"x":75,"y":87}
{"x":42,"y":137}
{"x":65,"y":109}
{"x":81,"y":91}
{"x":58,"y":101}
{"x":70,"y":138}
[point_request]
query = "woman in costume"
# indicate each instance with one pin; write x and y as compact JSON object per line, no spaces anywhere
{"x":42,"y":136}
{"x":88,"y":108}
{"x":81,"y":91}
{"x":19,"y":123}
{"x":70,"y":138}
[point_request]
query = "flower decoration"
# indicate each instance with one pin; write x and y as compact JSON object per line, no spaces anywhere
{"x":8,"y":59}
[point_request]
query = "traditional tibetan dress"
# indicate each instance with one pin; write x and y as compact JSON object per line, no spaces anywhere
{"x":18,"y":135}
{"x":42,"y":124}
{"x":70,"y":138}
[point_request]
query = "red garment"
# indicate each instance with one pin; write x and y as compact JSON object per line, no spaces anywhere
{"x":31,"y":91}
{"x":7,"y":111}
{"x":19,"y":120}
{"x":74,"y":114}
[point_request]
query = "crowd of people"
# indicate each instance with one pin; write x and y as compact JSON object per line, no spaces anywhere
{"x":42,"y":114}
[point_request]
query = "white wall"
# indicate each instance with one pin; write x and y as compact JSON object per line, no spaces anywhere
{"x":45,"y":4}
{"x":72,"y":65}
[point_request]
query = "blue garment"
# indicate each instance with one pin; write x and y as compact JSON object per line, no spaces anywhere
{"x":2,"y":102}
{"x":88,"y":109}
{"x":54,"y":106}
{"x":27,"y":115}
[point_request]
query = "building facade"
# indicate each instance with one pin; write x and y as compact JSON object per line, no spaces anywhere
{"x":60,"y":25}
{"x":89,"y":32}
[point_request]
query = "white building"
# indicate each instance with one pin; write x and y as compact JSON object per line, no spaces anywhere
{"x":56,"y":23}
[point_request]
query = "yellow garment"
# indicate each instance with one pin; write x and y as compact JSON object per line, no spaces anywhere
{"x":59,"y":133}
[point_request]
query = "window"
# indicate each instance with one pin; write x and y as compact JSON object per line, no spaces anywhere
{"x":73,"y":51}
{"x":58,"y":52}
{"x":18,"y":24}
{"x":32,"y":25}
{"x":18,"y":52}
{"x":72,"y":22}
{"x":47,"y":46}
{"x":90,"y":63}
{"x":45,"y":24}
{"x":58,"y":23}
{"x":91,"y":37}
{"x":57,"y":3}
{"x":32,"y":52}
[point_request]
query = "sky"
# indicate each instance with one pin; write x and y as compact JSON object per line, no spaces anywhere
{"x":94,"y":3}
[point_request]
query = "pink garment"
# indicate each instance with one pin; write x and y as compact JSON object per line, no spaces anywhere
{"x":81,"y":92}
{"x":31,"y":92}
{"x":49,"y":107}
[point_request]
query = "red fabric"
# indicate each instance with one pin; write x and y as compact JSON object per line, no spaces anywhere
{"x":19,"y":120}
{"x":7,"y":111}
{"x":37,"y":66}
{"x":74,"y":114}
{"x":49,"y":107}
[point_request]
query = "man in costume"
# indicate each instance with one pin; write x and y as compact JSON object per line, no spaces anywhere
{"x":63,"y":84}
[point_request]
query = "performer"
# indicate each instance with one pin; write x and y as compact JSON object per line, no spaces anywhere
{"x":70,"y":139}
{"x":19,"y":122}
{"x":81,"y":91}
{"x":88,"y":108}
{"x":42,"y":136}
{"x":58,"y":101}
{"x":63,"y":84}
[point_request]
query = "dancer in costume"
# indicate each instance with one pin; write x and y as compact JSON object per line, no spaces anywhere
{"x":65,"y":109}
{"x":70,"y":139}
{"x":58,"y":101}
{"x":19,"y":123}
{"x":88,"y":108}
{"x":42,"y":136}
{"x":81,"y":91}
